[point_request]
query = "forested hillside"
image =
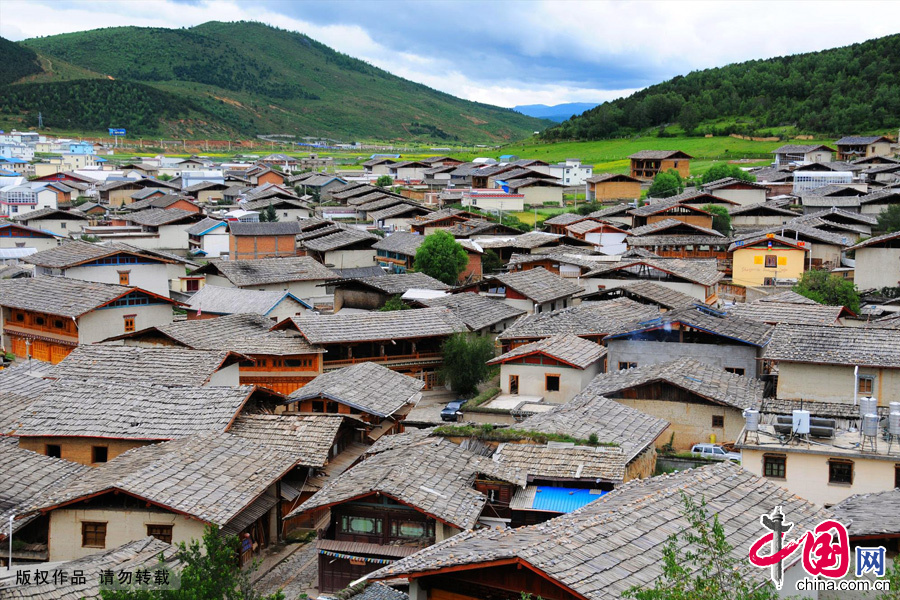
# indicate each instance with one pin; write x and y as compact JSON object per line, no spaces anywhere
{"x":17,"y":62}
{"x":843,"y":90}
{"x":247,"y":79}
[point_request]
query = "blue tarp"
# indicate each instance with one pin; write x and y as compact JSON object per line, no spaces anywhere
{"x":563,"y":500}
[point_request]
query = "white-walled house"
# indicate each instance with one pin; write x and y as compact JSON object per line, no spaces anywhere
{"x":13,"y":235}
{"x":877,"y":262}
{"x":570,"y":173}
{"x":208,"y":238}
{"x":61,"y":222}
{"x":534,"y":291}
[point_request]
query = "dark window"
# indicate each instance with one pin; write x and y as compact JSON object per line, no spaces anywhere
{"x":552,"y":383}
{"x":840,"y":471}
{"x":192,"y":285}
{"x":332,"y":407}
{"x":318,"y":406}
{"x":718,"y":421}
{"x":866,"y":385}
{"x":735,"y":370}
{"x":771,"y":261}
{"x":39,"y":320}
{"x":627,"y":365}
{"x":99,"y":454}
{"x":20,"y":317}
{"x":775,"y":466}
{"x":58,"y":323}
{"x":161,"y":532}
{"x":897,"y":476}
{"x":53,"y":450}
{"x":93,"y":535}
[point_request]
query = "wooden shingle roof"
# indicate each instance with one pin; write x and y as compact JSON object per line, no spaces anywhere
{"x":871,"y":514}
{"x":649,"y":291}
{"x":539,"y":284}
{"x":229,"y":300}
{"x":400,"y":324}
{"x":476,"y":311}
{"x":155,"y":217}
{"x":76,"y":252}
{"x":569,"y":349}
{"x":310,"y":437}
{"x":605,"y":463}
{"x":20,"y":386}
{"x":394,"y":283}
{"x":339,"y":239}
{"x":61,"y":295}
{"x":702,"y":271}
{"x":594,"y":318}
{"x":706,"y":319}
{"x":818,"y":344}
{"x":242,"y":273}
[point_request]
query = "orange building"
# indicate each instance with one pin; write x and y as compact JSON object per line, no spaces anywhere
{"x":612,"y":186}
{"x":647,"y":164}
{"x":250,"y":241}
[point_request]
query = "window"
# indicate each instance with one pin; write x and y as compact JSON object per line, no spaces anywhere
{"x":161,"y":532}
{"x":62,"y":225}
{"x":735,"y":370}
{"x":192,"y":285}
{"x":897,"y":476}
{"x":718,"y":421}
{"x":840,"y":471}
{"x":771,"y":261}
{"x":58,"y":323}
{"x":129,"y":322}
{"x":361,"y":525}
{"x":774,"y":465}
{"x":124,"y":277}
{"x":318,"y":406}
{"x":39,"y":321}
{"x":93,"y":535}
{"x":627,"y":365}
{"x":53,"y":450}
{"x":99,"y":454}
{"x":865,"y":384}
{"x":20,"y":317}
{"x":409,"y":529}
{"x":552,"y":383}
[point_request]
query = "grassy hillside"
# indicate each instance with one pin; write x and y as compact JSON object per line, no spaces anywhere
{"x":249,"y":78}
{"x":839,"y":91}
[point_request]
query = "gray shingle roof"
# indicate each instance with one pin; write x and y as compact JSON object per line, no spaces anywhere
{"x":772,"y":208}
{"x":212,"y":477}
{"x":530,"y":240}
{"x":309,"y":437}
{"x":339,"y":239}
{"x":787,"y":312}
{"x":76,"y":252}
{"x":155,"y":217}
{"x":20,"y":386}
{"x":677,"y":240}
{"x":264,"y":203}
{"x":887,"y":237}
{"x":710,"y":382}
{"x":593,"y":318}
{"x":798,"y":229}
{"x":880,"y":195}
{"x":569,"y":348}
{"x":476,"y":311}
{"x":870,"y":514}
{"x":365,"y":386}
{"x":611,"y":211}
{"x":647,"y":290}
{"x":58,"y":295}
{"x":277,"y":228}
{"x":241,"y":332}
{"x":400,"y":242}
{"x":659,"y":154}
{"x":379,"y":591}
{"x":703,"y":318}
{"x":243,"y":273}
{"x":701,"y":271}
{"x":855,"y":140}
{"x":617,"y":542}
{"x":798,"y":148}
{"x":397,"y":210}
{"x":566,"y":218}
{"x":663,"y":205}
{"x":817,"y":344}
{"x":396,"y":283}
{"x":132,"y":363}
{"x":665,"y":224}
{"x":400,"y":324}
{"x":539,"y":284}
{"x":578,"y":462}
{"x":201,"y":226}
{"x":229,"y":300}
{"x":55,"y":213}
{"x":434,"y":476}
{"x":138,"y":410}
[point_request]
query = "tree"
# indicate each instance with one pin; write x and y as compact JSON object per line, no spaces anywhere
{"x":384,"y":181}
{"x":490,"y":262}
{"x":393,"y":303}
{"x":826,"y":288}
{"x":465,"y":361}
{"x":702,"y":566}
{"x":210,"y":573}
{"x":442,"y":257}
{"x":271,"y":215}
{"x":723,"y":170}
{"x":666,"y":184}
{"x":721,"y":218}
{"x":889,"y":220}
{"x":164,"y":177}
{"x":689,"y":117}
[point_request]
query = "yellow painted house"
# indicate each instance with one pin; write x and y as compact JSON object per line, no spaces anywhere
{"x":765,"y":259}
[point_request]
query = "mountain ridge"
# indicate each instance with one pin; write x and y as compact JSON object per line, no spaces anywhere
{"x":556,"y":112}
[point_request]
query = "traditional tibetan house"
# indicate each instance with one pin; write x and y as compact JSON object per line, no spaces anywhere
{"x":534,"y":291}
{"x":558,"y":224}
{"x":287,"y":209}
{"x":46,"y":317}
{"x":440,"y":220}
{"x":612,"y":186}
{"x":252,"y":241}
{"x":763,"y":214}
{"x":740,"y":192}
{"x":371,"y":293}
{"x":396,"y":217}
{"x":13,"y":235}
{"x":644,"y":292}
{"x":299,"y":275}
{"x":766,"y":259}
{"x":54,"y":220}
{"x":671,"y":208}
{"x":555,"y":369}
{"x":618,"y":213}
{"x":606,"y":238}
{"x":341,"y":248}
{"x":281,"y":362}
{"x":875,"y":203}
{"x":397,"y":502}
{"x":789,"y":307}
{"x":647,"y":164}
{"x":854,"y":147}
{"x":397,"y":252}
{"x":406,"y":341}
{"x":877,"y":262}
{"x":484,"y":316}
{"x":208,"y":238}
{"x":368,"y":391}
{"x":671,"y":238}
{"x":214,"y":301}
{"x":581,"y":556}
{"x":698,"y":278}
{"x":825,"y":248}
{"x":698,"y":332}
{"x":789,"y":154}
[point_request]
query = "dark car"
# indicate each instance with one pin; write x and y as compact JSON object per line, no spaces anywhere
{"x":451,"y":412}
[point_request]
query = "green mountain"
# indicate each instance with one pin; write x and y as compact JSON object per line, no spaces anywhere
{"x":844,"y":90}
{"x":225,"y":79}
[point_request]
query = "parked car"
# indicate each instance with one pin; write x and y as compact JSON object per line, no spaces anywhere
{"x":451,"y":412}
{"x":715,"y":452}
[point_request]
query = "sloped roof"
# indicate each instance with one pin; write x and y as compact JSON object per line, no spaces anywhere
{"x":592,"y":318}
{"x":570,"y":349}
{"x":211,"y":477}
{"x":660,"y":154}
{"x":576,"y":462}
{"x":884,"y":194}
{"x":611,"y":211}
{"x":799,"y":148}
{"x":870,"y":514}
{"x":339,"y":239}
{"x":476,"y":311}
{"x":265,"y":228}
{"x":708,"y":381}
{"x":132,"y":363}
{"x":396,"y":210}
{"x":60,"y":295}
{"x":665,"y":224}
{"x":366,"y":386}
{"x":398,"y":324}
{"x":75,"y":252}
{"x":434,"y":476}
{"x":773,"y":208}
{"x":155,"y":217}
{"x":750,"y":240}
{"x":653,"y":292}
{"x":264,"y":271}
{"x":137,"y":410}
{"x":846,"y":346}
{"x":611,"y":177}
{"x":588,"y":225}
{"x":875,"y":241}
{"x":395,"y":283}
{"x":48,"y":212}
{"x":539,"y":284}
{"x":585,"y":550}
{"x":229,"y":300}
{"x":400,"y":242}
{"x":202,"y":226}
{"x":20,"y":386}
{"x":264,"y":203}
{"x":854,"y":140}
{"x":660,"y":206}
{"x":701,"y":271}
{"x":787,"y":312}
{"x":566,"y":218}
{"x":309,"y":437}
{"x":705,"y":319}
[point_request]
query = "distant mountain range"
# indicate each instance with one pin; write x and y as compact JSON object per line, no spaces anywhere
{"x":558,"y":113}
{"x":231,"y":79}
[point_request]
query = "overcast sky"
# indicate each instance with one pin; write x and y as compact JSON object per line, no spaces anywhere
{"x":508,"y":53}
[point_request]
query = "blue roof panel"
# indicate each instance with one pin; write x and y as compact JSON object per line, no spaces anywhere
{"x":563,"y":500}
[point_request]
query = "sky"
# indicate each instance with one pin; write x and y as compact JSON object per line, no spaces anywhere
{"x":503,"y":52}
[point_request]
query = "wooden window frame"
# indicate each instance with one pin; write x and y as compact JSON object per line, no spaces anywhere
{"x":871,"y":384}
{"x":736,"y":370}
{"x":776,"y":457}
{"x":718,"y":421}
{"x":770,"y":258}
{"x":160,"y":535}
{"x":128,"y":321}
{"x":124,"y":277}
{"x":94,"y":450}
{"x":843,"y":462}
{"x":93,"y":530}
{"x":627,"y":365}
{"x":547,"y":377}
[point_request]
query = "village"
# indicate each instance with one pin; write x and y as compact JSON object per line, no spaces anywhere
{"x":385,"y":387}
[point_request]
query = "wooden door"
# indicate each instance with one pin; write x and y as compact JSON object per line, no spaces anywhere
{"x":513,"y":384}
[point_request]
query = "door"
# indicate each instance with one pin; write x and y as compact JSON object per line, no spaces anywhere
{"x":513,"y":384}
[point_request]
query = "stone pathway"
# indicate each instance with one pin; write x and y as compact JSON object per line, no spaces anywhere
{"x":295,"y":575}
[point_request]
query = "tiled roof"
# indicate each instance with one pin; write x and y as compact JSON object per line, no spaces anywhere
{"x":871,"y":514}
{"x":399,"y":324}
{"x":201,"y":226}
{"x":277,"y":228}
{"x":240,"y":332}
{"x":884,"y":194}
{"x":839,"y":215}
{"x":654,"y":293}
{"x":376,"y":201}
{"x":400,"y":242}
{"x":591,"y":318}
{"x":476,"y":311}
{"x":309,"y":437}
{"x":616,"y":543}
{"x":799,"y":229}
{"x":749,"y":240}
{"x":587,"y":225}
{"x":76,"y":252}
{"x":708,"y":381}
{"x":137,"y":410}
{"x":727,"y":181}
{"x":570,"y":349}
{"x":856,"y":140}
{"x":339,"y":239}
{"x":774,"y":208}
{"x":799,"y":148}
{"x":701,"y":271}
{"x":58,"y":295}
{"x":229,"y":300}
{"x":875,"y":241}
{"x":243,"y":273}
{"x":396,"y":283}
{"x":396,"y":211}
{"x":610,"y":211}
{"x":20,"y":386}
{"x":434,"y":476}
{"x":530,"y":240}
{"x":663,"y":205}
{"x":212,"y":477}
{"x":379,"y":591}
{"x":155,"y":217}
{"x":132,"y":363}
{"x":677,"y":240}
{"x":50,"y":212}
{"x":787,"y":312}
{"x":665,"y":224}
{"x":365,"y":386}
{"x":566,"y":218}
{"x":706,"y":319}
{"x":264,"y":203}
{"x":539,"y":284}
{"x":578,"y":462}
{"x":817,"y":344}
{"x":659,"y":154}
{"x":610,"y":176}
